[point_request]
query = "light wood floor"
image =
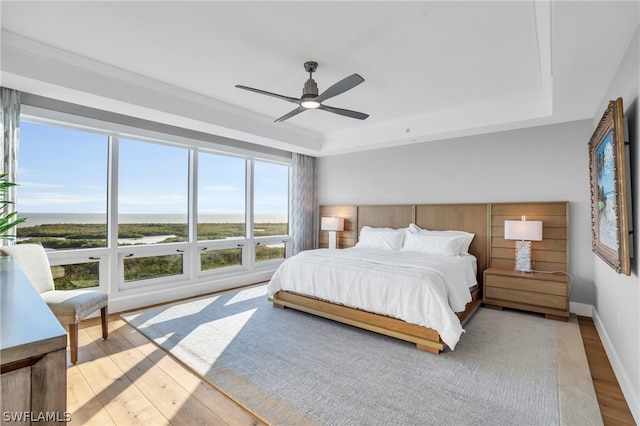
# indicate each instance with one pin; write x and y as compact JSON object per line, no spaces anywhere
{"x":613,"y":406}
{"x":127,"y":380}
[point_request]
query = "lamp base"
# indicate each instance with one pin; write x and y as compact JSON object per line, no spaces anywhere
{"x":523,"y":256}
{"x":332,"y":240}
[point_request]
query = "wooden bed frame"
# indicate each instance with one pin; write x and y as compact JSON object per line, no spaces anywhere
{"x":465,"y":217}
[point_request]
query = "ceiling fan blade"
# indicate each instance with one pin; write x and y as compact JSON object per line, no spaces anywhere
{"x":345,"y":112}
{"x":290,"y":114}
{"x":340,"y":87}
{"x":275,"y":95}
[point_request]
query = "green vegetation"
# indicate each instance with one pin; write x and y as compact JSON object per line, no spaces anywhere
{"x":79,"y":275}
{"x":217,"y":231}
{"x":220,"y":258}
{"x":142,"y":268}
{"x":269,"y":253}
{"x":67,"y":236}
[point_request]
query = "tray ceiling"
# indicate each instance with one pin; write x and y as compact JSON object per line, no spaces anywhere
{"x":432,"y":70}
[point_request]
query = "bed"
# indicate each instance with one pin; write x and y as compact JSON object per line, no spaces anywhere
{"x":448,"y":305}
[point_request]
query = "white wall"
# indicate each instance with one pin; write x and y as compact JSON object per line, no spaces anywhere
{"x":617,"y":297}
{"x":549,"y":163}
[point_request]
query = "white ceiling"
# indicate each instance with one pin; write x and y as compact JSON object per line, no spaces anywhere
{"x":432,"y":70}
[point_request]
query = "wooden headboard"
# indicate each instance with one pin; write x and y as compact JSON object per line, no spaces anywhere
{"x":463,"y":217}
{"x":472,"y":218}
{"x":485,"y":220}
{"x":550,"y":254}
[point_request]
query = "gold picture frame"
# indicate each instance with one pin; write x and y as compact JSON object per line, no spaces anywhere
{"x":607,"y":170}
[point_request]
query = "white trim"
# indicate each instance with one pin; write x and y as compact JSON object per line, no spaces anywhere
{"x":633,"y":400}
{"x":581,"y":309}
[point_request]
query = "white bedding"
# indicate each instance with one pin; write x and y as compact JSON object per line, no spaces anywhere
{"x":419,"y":289}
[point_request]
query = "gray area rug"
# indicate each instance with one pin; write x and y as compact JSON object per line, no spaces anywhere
{"x":288,"y":367}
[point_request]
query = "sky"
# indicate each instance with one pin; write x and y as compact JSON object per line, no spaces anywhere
{"x":63,"y":170}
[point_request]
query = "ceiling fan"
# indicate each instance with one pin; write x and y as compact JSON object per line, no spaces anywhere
{"x":310,"y":98}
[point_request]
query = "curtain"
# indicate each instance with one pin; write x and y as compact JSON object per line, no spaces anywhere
{"x":9,"y":147}
{"x":303,"y":200}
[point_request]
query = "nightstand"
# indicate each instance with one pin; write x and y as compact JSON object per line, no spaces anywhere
{"x":530,"y":291}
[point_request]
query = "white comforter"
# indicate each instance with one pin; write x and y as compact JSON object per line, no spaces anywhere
{"x":414,"y":287}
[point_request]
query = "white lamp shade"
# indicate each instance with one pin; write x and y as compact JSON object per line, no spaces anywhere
{"x":332,"y":224}
{"x":524,"y":230}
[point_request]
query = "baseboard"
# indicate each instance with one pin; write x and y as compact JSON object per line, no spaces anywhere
{"x":581,"y":309}
{"x":633,"y":400}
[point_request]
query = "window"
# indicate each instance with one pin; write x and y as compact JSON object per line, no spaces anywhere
{"x":128,"y":213}
{"x":271,"y":208}
{"x":76,"y":275}
{"x":220,"y":258}
{"x":153,"y":193}
{"x":147,"y":267}
{"x":62,"y":188}
{"x":221,"y":196}
{"x":271,"y":199}
{"x":265,"y":252}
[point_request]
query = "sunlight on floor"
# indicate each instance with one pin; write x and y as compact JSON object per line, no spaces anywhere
{"x":247,"y":294}
{"x":213,"y":322}
{"x":227,"y":328}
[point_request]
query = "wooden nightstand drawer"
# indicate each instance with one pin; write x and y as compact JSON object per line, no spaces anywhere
{"x":534,"y":285}
{"x":528,"y":297}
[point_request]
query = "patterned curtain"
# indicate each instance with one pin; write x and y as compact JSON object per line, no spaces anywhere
{"x":303,"y":200}
{"x":9,"y":147}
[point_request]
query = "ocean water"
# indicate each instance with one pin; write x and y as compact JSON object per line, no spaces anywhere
{"x":34,"y":219}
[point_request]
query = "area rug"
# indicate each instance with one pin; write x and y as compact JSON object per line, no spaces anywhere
{"x":289,"y":367}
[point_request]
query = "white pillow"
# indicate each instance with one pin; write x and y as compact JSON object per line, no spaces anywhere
{"x":464,"y":248}
{"x":380,"y":238}
{"x":413,"y":228}
{"x":441,"y":245}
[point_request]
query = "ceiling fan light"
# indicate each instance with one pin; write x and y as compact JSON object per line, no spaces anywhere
{"x":309,"y":103}
{"x":309,"y":99}
{"x":309,"y":94}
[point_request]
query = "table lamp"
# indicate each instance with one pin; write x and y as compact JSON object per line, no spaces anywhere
{"x":332,"y":224}
{"x":524,"y":231}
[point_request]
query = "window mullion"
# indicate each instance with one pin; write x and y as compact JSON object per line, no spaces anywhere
{"x":113,"y":276}
{"x":193,"y":251}
{"x":249,"y":251}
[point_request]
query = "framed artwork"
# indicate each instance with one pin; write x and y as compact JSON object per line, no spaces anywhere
{"x":607,"y":169}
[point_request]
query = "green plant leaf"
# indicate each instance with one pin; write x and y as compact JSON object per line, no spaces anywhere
{"x":8,"y":220}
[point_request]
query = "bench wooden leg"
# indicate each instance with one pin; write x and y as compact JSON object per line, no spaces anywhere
{"x":104,"y":315}
{"x":73,"y":342}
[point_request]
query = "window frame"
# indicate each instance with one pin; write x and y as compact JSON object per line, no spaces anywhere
{"x":196,"y":194}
